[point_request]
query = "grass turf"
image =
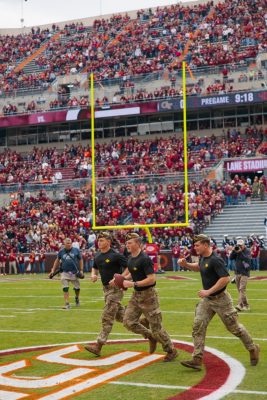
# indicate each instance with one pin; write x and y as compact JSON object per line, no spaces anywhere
{"x":31,"y":315}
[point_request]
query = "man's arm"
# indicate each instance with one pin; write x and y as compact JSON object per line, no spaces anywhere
{"x":55,"y":265}
{"x":220,"y":284}
{"x":126,"y":273}
{"x":192,"y":266}
{"x":148,"y":281}
{"x":94,"y":274}
{"x":81,"y":264}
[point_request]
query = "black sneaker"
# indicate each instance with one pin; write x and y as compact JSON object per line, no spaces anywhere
{"x":77,"y":301}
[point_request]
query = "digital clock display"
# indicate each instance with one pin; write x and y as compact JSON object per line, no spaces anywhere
{"x":225,"y":99}
{"x":244,"y":97}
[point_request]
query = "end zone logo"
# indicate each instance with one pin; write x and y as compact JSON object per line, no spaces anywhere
{"x":223,"y":374}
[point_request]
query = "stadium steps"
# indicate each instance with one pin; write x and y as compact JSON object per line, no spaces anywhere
{"x":240,"y":220}
{"x":32,"y":68}
{"x":30,"y":60}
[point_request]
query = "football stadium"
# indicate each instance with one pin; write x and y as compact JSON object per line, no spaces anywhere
{"x":133,"y":203}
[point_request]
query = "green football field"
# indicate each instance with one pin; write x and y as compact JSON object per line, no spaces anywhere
{"x":31,"y":319}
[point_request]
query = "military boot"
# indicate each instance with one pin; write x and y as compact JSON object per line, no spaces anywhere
{"x":195,"y":363}
{"x":171,"y":355}
{"x":94,"y":348}
{"x":254,"y":355}
{"x":152,"y":345}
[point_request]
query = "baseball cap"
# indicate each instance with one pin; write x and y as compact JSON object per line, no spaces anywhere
{"x":132,"y":235}
{"x":201,"y":238}
{"x":240,"y":242}
{"x":105,"y":235}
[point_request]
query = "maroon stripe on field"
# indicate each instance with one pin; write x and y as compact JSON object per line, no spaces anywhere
{"x":217,"y":372}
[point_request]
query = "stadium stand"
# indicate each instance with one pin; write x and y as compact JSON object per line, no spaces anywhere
{"x":135,"y":58}
{"x":122,"y":158}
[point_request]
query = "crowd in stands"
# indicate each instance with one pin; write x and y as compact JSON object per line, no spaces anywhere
{"x":135,"y":157}
{"x":125,"y":158}
{"x":205,"y":34}
{"x":15,"y":48}
{"x":37,"y":224}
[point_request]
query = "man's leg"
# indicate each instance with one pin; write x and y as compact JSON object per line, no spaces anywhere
{"x":65,"y":287}
{"x":66,"y":298}
{"x":154,"y":319}
{"x":113,"y":297}
{"x":242,"y":288}
{"x":203,"y":315}
{"x":239,"y":306}
{"x":229,"y":317}
{"x":146,"y":302}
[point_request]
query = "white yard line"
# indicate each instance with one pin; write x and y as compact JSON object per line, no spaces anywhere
{"x":77,"y":309}
{"x":116,"y":334}
{"x":150,"y":385}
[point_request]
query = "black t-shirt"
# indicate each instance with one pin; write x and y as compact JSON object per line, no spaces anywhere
{"x":140,"y":267}
{"x":212,"y":268}
{"x":242,"y":262}
{"x":108,"y":264}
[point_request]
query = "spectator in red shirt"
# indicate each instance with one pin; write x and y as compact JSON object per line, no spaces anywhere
{"x":2,"y":263}
{"x":255,"y":253}
{"x":12,"y":262}
{"x":176,"y":251}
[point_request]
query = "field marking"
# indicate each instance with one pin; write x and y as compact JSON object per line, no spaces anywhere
{"x":8,"y":316}
{"x":118,"y":334}
{"x":79,"y":309}
{"x":232,"y":373}
{"x":174,"y":387}
{"x":88,"y":299}
{"x":59,"y":308}
{"x":4,"y":395}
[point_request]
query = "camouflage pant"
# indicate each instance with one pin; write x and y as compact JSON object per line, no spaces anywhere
{"x":205,"y":311}
{"x":146,"y":302}
{"x":241,"y":284}
{"x":113,"y":310}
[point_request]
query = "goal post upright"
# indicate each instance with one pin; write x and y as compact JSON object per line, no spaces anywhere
{"x":146,"y":227}
{"x":185,"y":143}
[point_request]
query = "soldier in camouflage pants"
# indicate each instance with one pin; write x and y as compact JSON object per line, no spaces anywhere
{"x":144,"y":299}
{"x":146,"y":302}
{"x":222,"y":305}
{"x":106,"y":263}
{"x":214,"y":300}
{"x":113,"y":310}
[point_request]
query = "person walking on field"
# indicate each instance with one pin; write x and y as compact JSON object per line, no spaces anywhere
{"x":144,"y":299}
{"x":214,"y":300}
{"x":70,"y":262}
{"x":242,"y":258}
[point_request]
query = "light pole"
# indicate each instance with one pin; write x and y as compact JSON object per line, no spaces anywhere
{"x":100,"y":6}
{"x":22,"y":14}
